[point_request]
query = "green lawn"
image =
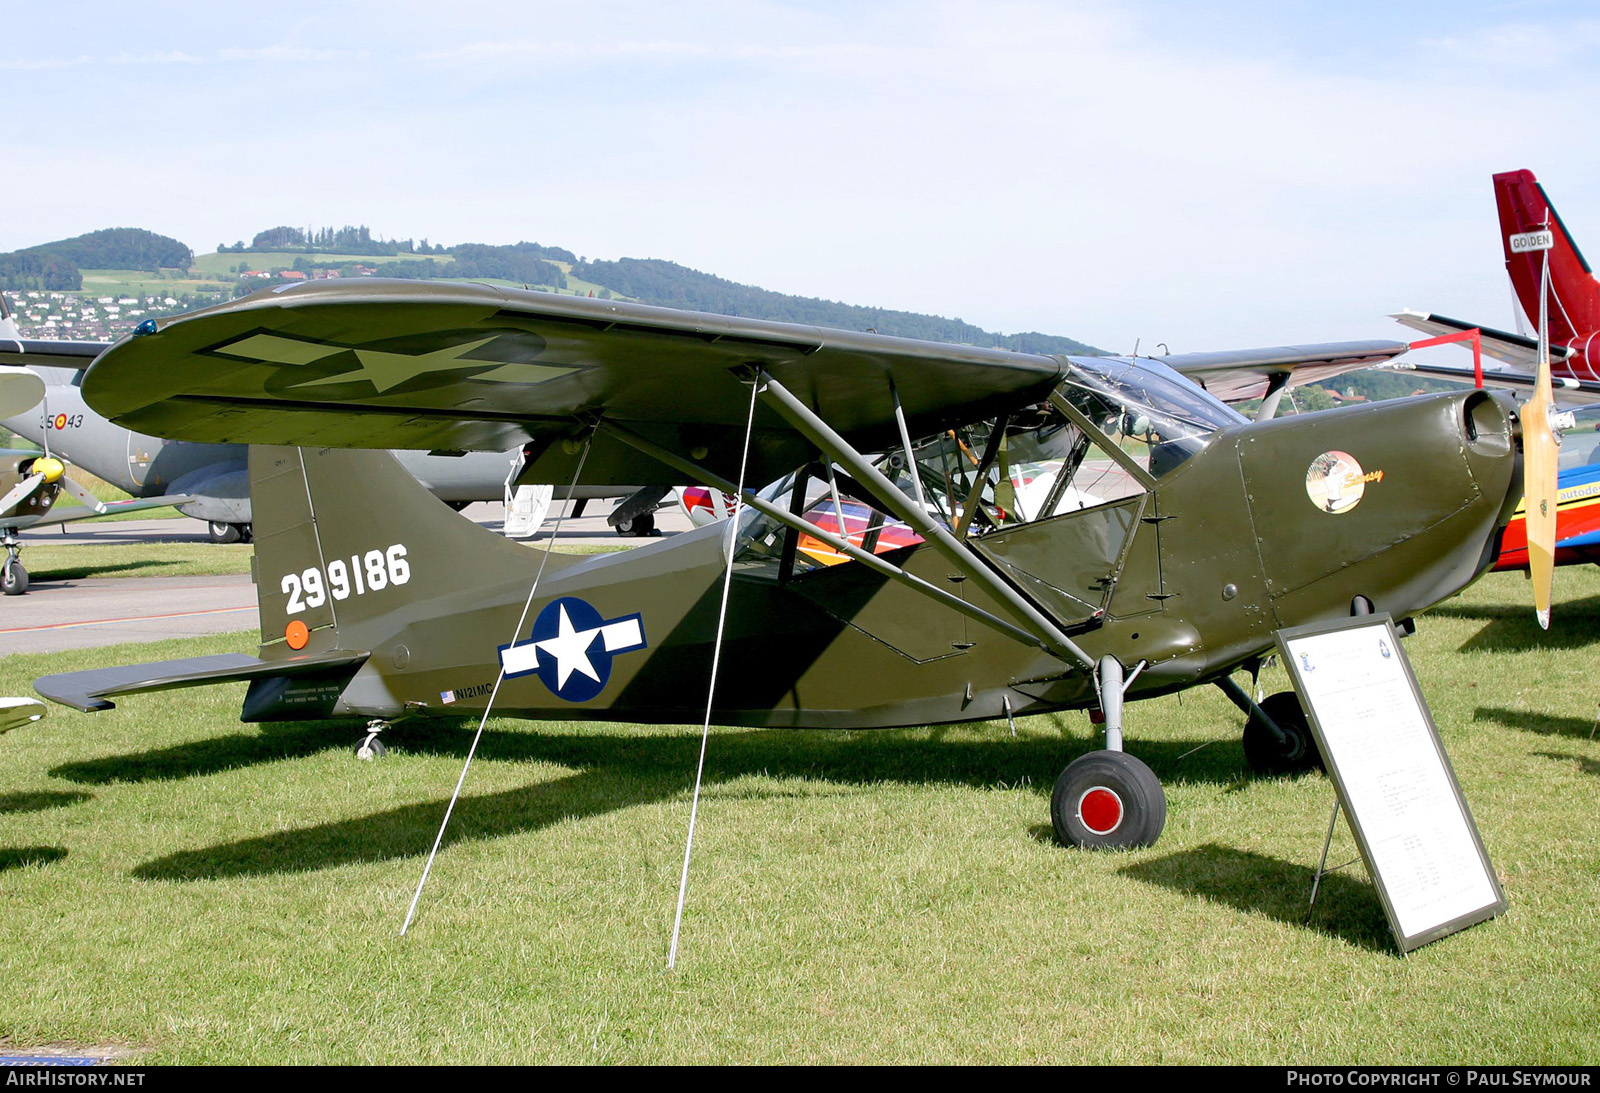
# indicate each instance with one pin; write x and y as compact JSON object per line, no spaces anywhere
{"x":225,"y":263}
{"x":205,"y":891}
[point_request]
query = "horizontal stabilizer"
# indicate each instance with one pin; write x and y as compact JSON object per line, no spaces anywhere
{"x":1240,"y":374}
{"x":88,"y":690}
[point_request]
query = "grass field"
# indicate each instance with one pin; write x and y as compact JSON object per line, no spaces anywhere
{"x":224,"y":264}
{"x":202,"y":891}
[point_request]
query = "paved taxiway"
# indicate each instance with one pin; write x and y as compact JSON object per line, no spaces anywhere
{"x":78,"y":614}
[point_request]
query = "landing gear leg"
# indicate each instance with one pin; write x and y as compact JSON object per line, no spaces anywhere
{"x":1108,"y":800}
{"x":1277,"y":736}
{"x":371,"y":747}
{"x":13,"y":578}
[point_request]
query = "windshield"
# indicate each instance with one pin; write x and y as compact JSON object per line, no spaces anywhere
{"x":1152,"y":412}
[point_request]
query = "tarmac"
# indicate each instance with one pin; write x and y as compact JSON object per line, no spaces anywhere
{"x":57,"y":616}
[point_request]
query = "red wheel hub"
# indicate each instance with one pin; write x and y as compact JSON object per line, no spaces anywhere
{"x":1100,"y":810}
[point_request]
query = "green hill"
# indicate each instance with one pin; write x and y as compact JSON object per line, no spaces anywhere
{"x":58,"y":266}
{"x":667,"y":284}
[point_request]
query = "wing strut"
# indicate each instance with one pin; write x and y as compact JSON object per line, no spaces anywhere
{"x":843,"y":546}
{"x":814,"y":429}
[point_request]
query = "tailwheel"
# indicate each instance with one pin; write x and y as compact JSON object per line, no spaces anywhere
{"x":371,"y":748}
{"x":14,"y":578}
{"x":1263,"y":751}
{"x":1108,"y":800}
{"x":641,"y":526}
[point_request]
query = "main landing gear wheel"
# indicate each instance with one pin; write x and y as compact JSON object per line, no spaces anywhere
{"x":14,"y":578}
{"x":1263,"y":752}
{"x":229,"y":533}
{"x":1108,"y":800}
{"x":371,"y":748}
{"x":640,"y":526}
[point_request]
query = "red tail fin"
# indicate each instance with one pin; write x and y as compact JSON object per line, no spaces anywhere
{"x":1574,"y":293}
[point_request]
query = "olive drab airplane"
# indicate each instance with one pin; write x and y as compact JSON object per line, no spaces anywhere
{"x":890,"y":572}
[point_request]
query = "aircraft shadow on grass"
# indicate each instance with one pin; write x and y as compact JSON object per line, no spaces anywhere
{"x":84,"y":572}
{"x":1512,"y":628}
{"x":1346,"y":908}
{"x":1532,"y":721}
{"x":611,"y":774}
{"x":15,"y":857}
{"x":40,"y":800}
{"x":1588,"y":766}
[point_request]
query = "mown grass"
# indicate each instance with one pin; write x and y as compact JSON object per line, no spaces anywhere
{"x":205,"y":891}
{"x":49,"y":562}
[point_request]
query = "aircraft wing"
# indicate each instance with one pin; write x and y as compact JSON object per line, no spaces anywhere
{"x":15,"y":349}
{"x":1514,"y":349}
{"x":1238,"y":375}
{"x":50,"y":354}
{"x":451,"y":366}
{"x":68,"y":513}
{"x":1567,"y":391}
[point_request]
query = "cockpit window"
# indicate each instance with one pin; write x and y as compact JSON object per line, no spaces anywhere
{"x":979,"y":479}
{"x":1150,"y":411}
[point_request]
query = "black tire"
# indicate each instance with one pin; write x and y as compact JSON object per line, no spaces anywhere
{"x":1122,"y":799}
{"x":1263,"y":752}
{"x":639,"y":526}
{"x":371,"y":748}
{"x":14,"y":578}
{"x":223,"y":533}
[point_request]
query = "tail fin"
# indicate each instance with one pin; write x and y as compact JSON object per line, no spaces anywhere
{"x":1574,"y":293}
{"x":348,"y":544}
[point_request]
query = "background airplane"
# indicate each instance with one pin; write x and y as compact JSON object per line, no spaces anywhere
{"x":32,"y":482}
{"x":215,"y":475}
{"x":1574,"y":332}
{"x":1574,"y":302}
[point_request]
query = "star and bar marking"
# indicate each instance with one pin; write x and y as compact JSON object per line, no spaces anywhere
{"x":382,"y":369}
{"x":571,"y":647}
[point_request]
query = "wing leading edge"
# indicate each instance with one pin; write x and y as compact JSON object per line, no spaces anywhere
{"x":450,"y":366}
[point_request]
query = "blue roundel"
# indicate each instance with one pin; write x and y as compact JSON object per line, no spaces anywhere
{"x":570,"y":648}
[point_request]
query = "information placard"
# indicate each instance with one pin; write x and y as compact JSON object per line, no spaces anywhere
{"x":1392,"y":776}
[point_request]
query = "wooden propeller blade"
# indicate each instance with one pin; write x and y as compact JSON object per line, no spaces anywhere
{"x":1540,"y":450}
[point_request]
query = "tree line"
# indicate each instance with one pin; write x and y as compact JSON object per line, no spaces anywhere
{"x":667,"y":284}
{"x":56,"y":266}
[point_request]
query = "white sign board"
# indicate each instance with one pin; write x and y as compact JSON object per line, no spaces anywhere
{"x":1393,"y":778}
{"x":1524,"y":242}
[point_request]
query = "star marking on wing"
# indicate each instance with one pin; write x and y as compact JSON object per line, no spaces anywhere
{"x":383,"y":369}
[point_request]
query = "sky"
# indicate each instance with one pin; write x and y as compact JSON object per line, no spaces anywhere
{"x":1199,"y":176}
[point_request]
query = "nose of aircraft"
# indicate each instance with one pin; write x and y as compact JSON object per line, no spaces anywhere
{"x":1401,"y":502}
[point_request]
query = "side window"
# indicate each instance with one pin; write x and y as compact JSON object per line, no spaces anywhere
{"x":1042,"y":466}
